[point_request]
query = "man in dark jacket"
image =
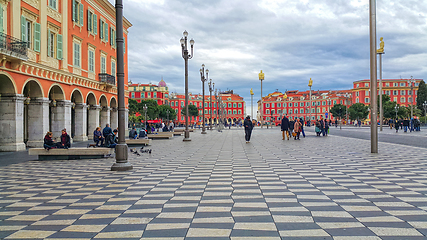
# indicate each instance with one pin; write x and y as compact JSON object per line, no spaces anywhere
{"x":405,"y":124}
{"x":248,"y":128}
{"x":106,"y":131}
{"x":111,"y":140}
{"x":285,"y":127}
{"x":65,"y":140}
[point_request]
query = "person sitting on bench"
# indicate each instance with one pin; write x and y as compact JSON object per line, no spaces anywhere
{"x":133,"y":134}
{"x":111,"y":140}
{"x":65,"y":140}
{"x":49,"y":143}
{"x":97,"y":137}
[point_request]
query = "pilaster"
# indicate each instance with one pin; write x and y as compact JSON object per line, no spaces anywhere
{"x":38,"y":121}
{"x":43,"y":33}
{"x":12,"y":122}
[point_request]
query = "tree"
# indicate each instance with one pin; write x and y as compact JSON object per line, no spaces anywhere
{"x":163,"y":112}
{"x":421,"y":95}
{"x":133,"y":107}
{"x":338,"y":111}
{"x":152,"y":108}
{"x":358,"y":111}
{"x":192,"y":111}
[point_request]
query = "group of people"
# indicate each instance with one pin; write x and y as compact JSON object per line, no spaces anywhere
{"x":292,"y":128}
{"x":322,"y":127}
{"x":49,"y":142}
{"x":405,"y":124}
{"x":108,"y":135}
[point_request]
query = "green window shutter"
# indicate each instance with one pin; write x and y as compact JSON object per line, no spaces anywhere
{"x":37,"y":37}
{"x":101,"y":29}
{"x":59,"y":46}
{"x":73,"y":14}
{"x":89,"y":20}
{"x":95,"y":24}
{"x":81,"y":14}
{"x":115,"y":39}
{"x":124,"y":46}
{"x":111,"y":36}
{"x":106,"y":32}
{"x":1,"y":18}
{"x":23,"y":28}
{"x":48,"y":42}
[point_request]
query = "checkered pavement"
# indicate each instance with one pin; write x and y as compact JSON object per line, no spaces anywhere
{"x":219,"y":187}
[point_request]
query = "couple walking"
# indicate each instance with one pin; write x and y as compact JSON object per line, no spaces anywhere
{"x":291,"y":128}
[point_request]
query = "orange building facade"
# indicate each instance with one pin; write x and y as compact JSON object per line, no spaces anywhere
{"x":57,"y":69}
{"x":296,"y":104}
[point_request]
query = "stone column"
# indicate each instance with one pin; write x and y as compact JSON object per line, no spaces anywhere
{"x":93,"y":120}
{"x":80,"y":115}
{"x":38,"y":121}
{"x":105,"y":116}
{"x":114,"y":118}
{"x":127,"y":120}
{"x":12,"y":123}
{"x":61,"y":118}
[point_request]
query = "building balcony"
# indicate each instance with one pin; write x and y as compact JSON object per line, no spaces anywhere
{"x":13,"y":50}
{"x":107,"y":80}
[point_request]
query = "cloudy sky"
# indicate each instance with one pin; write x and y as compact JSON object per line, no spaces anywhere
{"x":290,"y":40}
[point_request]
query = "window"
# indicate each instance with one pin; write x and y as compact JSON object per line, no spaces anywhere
{"x":367,"y":93}
{"x":229,"y":105}
{"x":301,"y":104}
{"x":409,"y":100}
{"x":267,"y":105}
{"x":132,"y":95}
{"x":416,"y":84}
{"x":402,"y":99}
{"x":52,"y":4}
{"x":395,"y":84}
{"x":323,"y":103}
{"x":296,"y":111}
{"x":402,"y":92}
{"x":366,"y":84}
{"x":290,"y":111}
{"x":103,"y":64}
{"x":402,"y":84}
{"x":395,"y":99}
{"x":103,"y":30}
{"x":113,"y":37}
{"x":387,"y":92}
{"x":91,"y":61}
{"x":182,"y":104}
{"x":387,"y":84}
{"x":357,"y":85}
{"x":272,"y":105}
{"x":267,"y":111}
{"x":409,"y":92}
{"x":26,"y":33}
{"x":357,"y":100}
{"x":77,"y":15}
{"x":279,"y":105}
{"x":301,"y":110}
{"x":366,"y":100}
{"x":272,"y":111}
{"x":113,"y":67}
{"x":395,"y":92}
{"x":234,"y":112}
{"x":155,"y":95}
{"x":240,"y":111}
{"x":76,"y":54}
{"x":229,"y":111}
{"x":357,"y":94}
{"x":172,"y":104}
{"x":92,"y":20}
{"x":296,"y":104}
{"x":234,"y":105}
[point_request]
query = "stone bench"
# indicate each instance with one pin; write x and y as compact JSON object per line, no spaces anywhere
{"x":161,"y":135}
{"x":70,"y":153}
{"x":141,"y":141}
{"x":181,"y":130}
{"x":177,"y":133}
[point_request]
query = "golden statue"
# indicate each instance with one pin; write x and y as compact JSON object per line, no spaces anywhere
{"x":381,"y":49}
{"x":252,"y":92}
{"x":285,"y":96}
{"x":261,"y":75}
{"x":310,"y":83}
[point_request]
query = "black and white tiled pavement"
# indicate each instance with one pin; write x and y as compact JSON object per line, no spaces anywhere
{"x":219,"y":187}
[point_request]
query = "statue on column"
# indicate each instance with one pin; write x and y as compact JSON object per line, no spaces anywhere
{"x":381,"y":49}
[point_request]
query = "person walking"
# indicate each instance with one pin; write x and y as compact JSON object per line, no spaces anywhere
{"x":284,"y":125}
{"x":291,"y":126}
{"x":405,"y":124}
{"x":396,"y":125}
{"x":302,"y":127}
{"x":326,"y":127}
{"x":248,"y":129}
{"x":297,"y":129}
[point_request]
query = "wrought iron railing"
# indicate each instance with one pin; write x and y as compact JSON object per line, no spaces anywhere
{"x":13,"y":46}
{"x":107,"y":78}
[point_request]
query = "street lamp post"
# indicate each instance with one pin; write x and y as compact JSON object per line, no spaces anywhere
{"x":261,"y":78}
{"x":347,"y":96}
{"x":121,"y":163}
{"x":145,"y":111}
{"x":340,"y":118}
{"x":167,"y":114}
{"x":203,"y":79}
{"x":211,"y":88}
{"x":252,"y":104}
{"x":425,"y":112}
{"x":380,"y":52}
{"x":411,"y":82}
{"x":396,"y":109}
{"x":310,"y":83}
{"x":373,"y":74}
{"x":186,"y":57}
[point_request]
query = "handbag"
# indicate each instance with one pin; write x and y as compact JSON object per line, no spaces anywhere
{"x":294,"y":134}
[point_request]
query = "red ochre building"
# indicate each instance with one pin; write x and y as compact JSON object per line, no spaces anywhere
{"x":158,"y":93}
{"x":296,"y":104}
{"x":57,"y":69}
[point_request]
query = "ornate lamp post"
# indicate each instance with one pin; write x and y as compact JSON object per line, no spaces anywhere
{"x":203,"y":79}
{"x":252,"y":104}
{"x":411,"y":82}
{"x":261,"y":78}
{"x":346,"y":105}
{"x":380,"y":52}
{"x":396,"y":109}
{"x":121,"y":163}
{"x":145,"y":111}
{"x":373,"y":74}
{"x":310,"y":83}
{"x":167,"y":114}
{"x":425,"y":112}
{"x":186,"y":56}
{"x":211,"y":88}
